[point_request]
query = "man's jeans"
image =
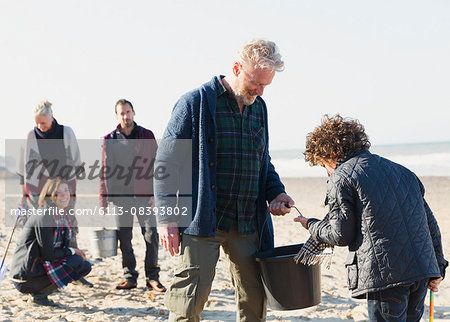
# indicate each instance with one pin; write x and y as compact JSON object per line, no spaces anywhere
{"x":131,"y":206}
{"x":400,"y":303}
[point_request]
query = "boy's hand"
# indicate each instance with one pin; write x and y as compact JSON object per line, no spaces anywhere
{"x":433,"y":284}
{"x":302,"y":220}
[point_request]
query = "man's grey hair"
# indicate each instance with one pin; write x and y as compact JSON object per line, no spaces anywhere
{"x":44,"y":108}
{"x":260,"y":53}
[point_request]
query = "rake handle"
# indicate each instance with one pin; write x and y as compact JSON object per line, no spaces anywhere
{"x":431,"y":306}
{"x":10,"y":237}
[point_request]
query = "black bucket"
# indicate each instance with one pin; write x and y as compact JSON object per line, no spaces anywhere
{"x":288,"y":286}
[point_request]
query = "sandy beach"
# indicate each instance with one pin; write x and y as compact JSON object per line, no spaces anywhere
{"x":105,"y":303}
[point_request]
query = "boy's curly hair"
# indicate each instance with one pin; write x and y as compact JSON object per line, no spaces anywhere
{"x":335,"y":138}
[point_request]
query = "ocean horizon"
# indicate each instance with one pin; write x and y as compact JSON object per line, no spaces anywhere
{"x":424,"y":159}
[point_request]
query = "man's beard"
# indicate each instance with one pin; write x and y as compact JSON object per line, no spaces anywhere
{"x":127,"y":125}
{"x":241,"y":97}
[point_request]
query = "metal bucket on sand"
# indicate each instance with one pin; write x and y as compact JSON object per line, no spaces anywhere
{"x":103,"y":242}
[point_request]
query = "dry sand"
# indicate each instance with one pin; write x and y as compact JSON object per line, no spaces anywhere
{"x":104,"y":303}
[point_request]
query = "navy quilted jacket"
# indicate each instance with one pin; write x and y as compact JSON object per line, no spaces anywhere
{"x":377,"y":209}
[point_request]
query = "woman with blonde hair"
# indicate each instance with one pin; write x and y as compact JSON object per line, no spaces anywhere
{"x":44,"y":260}
{"x":51,"y":150}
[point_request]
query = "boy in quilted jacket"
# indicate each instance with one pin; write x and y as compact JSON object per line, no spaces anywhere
{"x":377,"y":209}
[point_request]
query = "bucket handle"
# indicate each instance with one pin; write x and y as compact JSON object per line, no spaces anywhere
{"x":265,"y":221}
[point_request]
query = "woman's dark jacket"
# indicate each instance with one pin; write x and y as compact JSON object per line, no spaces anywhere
{"x":377,"y":209}
{"x":35,"y":243}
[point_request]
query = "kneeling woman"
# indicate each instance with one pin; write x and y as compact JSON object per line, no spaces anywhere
{"x":43,"y":260}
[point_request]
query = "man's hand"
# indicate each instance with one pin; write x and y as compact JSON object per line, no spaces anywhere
{"x":302,"y":220}
{"x":151,"y":202}
{"x":278,"y":205}
{"x":169,"y":236}
{"x":433,"y":284}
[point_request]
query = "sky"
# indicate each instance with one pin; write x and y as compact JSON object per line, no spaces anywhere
{"x":386,"y":63}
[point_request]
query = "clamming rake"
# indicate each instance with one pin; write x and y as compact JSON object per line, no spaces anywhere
{"x":3,"y":267}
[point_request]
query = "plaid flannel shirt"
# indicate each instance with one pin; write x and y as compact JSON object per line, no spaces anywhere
{"x":240,"y":148}
{"x":57,"y":271}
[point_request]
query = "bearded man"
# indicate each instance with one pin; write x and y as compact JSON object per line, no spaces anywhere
{"x":232,"y":182}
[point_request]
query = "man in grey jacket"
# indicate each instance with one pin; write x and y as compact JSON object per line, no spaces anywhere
{"x":377,"y":209}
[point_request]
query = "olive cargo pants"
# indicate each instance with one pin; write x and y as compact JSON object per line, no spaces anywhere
{"x":191,"y":286}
